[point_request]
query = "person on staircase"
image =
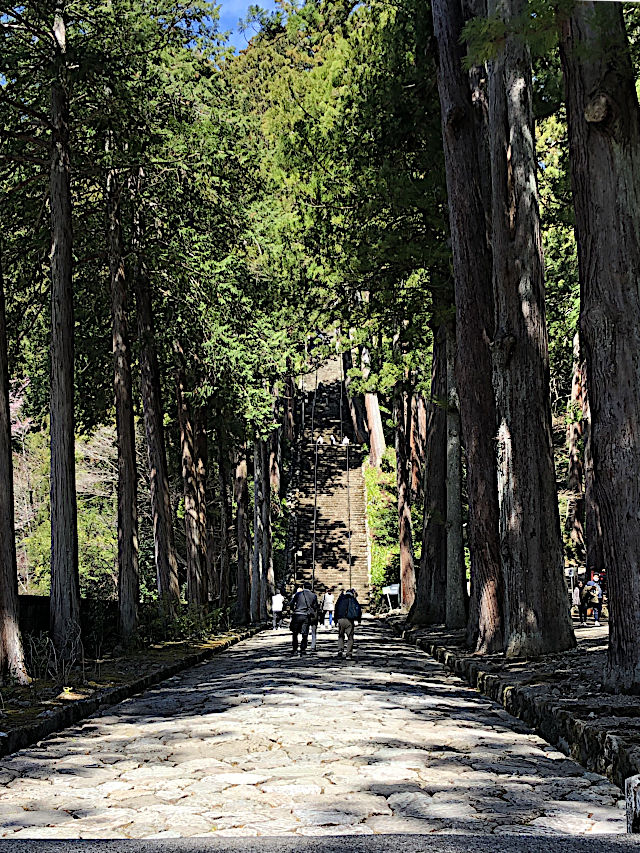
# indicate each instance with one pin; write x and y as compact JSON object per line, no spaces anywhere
{"x":304,"y":607}
{"x":327,"y":608}
{"x":347,"y":613}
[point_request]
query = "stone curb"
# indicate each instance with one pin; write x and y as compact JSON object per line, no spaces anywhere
{"x":61,"y":718}
{"x":593,"y":748}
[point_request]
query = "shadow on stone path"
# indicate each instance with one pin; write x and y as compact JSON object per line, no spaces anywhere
{"x":254,"y":743}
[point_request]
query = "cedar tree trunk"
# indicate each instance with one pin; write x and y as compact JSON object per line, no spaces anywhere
{"x":457,"y":600}
{"x":430,"y":604}
{"x":11,"y":651}
{"x":196,"y":571}
{"x":407,"y":570}
{"x":65,"y":582}
{"x":165,"y":556}
{"x":464,"y":133}
{"x":128,"y":576}
{"x":537,"y":617}
{"x":604,"y":146}
{"x":242,"y":531}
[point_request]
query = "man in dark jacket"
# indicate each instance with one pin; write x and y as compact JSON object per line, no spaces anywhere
{"x":304,"y":607}
{"x":347,"y":612}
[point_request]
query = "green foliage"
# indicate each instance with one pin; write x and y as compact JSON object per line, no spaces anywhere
{"x":382,"y":520}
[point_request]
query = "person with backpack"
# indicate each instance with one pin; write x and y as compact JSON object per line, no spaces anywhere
{"x":304,"y":609}
{"x":347,"y":612}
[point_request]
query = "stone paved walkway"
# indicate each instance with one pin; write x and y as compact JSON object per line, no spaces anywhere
{"x":254,"y":743}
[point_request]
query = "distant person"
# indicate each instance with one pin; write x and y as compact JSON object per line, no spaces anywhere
{"x":347,"y":612}
{"x":313,"y":627}
{"x":596,"y":598}
{"x":277,"y":605}
{"x":304,"y":605}
{"x":578,"y":595}
{"x":327,"y":607}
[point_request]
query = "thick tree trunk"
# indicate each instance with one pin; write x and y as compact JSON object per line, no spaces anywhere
{"x":536,"y":614}
{"x":11,"y":651}
{"x":430,"y":603}
{"x":604,"y":145}
{"x":242,"y":531}
{"x":128,"y":576}
{"x":202,"y":465}
{"x":457,"y":599}
{"x":405,"y":535}
{"x":593,"y":526}
{"x":65,"y":582}
{"x":355,"y":402}
{"x":225,"y":522}
{"x":165,"y":556}
{"x":417,"y":444}
{"x":267,"y":585}
{"x":258,"y":530}
{"x":196,"y":571}
{"x":575,"y":475}
{"x":289,"y":406}
{"x":464,"y":133}
{"x":377,"y":443}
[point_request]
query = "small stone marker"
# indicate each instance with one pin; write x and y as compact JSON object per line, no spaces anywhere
{"x":632,"y":792}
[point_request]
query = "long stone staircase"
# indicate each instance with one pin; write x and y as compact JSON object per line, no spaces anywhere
{"x":340,"y":493}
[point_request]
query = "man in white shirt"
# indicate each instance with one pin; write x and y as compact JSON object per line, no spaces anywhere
{"x":277,"y":603}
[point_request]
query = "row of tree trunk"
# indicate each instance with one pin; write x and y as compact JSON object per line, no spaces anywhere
{"x":518,"y":595}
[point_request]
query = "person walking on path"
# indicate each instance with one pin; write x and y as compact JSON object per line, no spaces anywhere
{"x":347,"y":612}
{"x":277,"y":603}
{"x":327,"y":608}
{"x":313,"y":627}
{"x":578,"y":595}
{"x":595,"y":598}
{"x":304,"y":605}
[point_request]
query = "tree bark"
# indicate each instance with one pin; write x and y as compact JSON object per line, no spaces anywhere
{"x":225,"y":522}
{"x":356,"y":404}
{"x":417,"y":444}
{"x":242,"y":528}
{"x":11,"y":652}
{"x":537,"y":617}
{"x":457,"y":599}
{"x":429,"y":607}
{"x":164,"y":547}
{"x":575,"y":475}
{"x":65,"y":581}
{"x":267,"y":585}
{"x":196,"y":571}
{"x":202,"y":465}
{"x":604,"y":145}
{"x":258,"y":531}
{"x":405,"y":535}
{"x":464,"y":133}
{"x":377,"y":444}
{"x":128,"y":575}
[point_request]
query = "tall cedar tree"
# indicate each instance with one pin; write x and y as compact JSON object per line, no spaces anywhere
{"x":429,"y":607}
{"x":128,"y":577}
{"x":536,"y":614}
{"x":464,"y":130}
{"x":65,"y":581}
{"x":11,"y":652}
{"x":604,"y":139}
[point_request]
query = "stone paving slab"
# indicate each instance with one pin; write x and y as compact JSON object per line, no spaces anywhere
{"x":254,"y":743}
{"x":559,"y":695}
{"x":56,"y":719}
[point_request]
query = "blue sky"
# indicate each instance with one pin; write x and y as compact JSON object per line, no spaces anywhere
{"x":231,"y":11}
